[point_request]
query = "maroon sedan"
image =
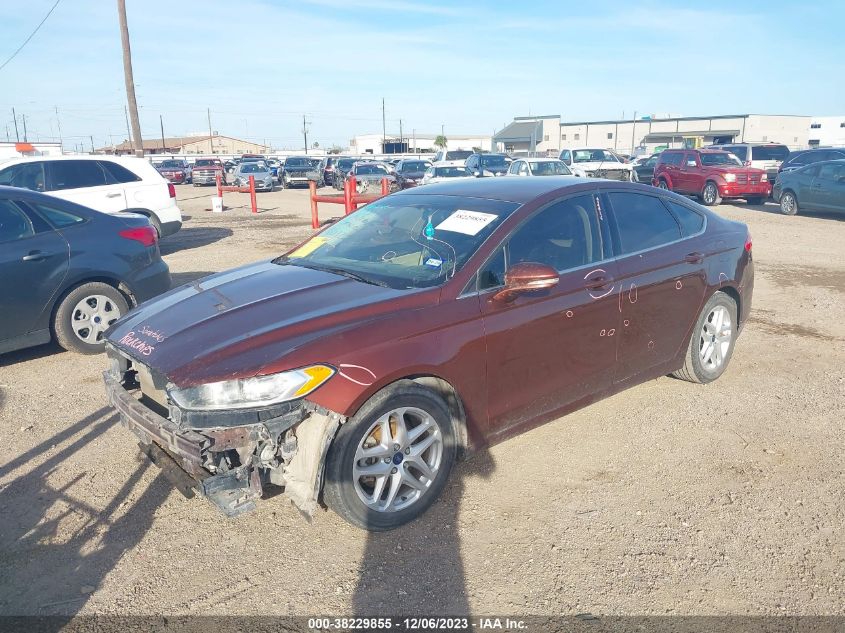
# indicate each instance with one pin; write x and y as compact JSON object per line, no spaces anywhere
{"x":355,"y":369}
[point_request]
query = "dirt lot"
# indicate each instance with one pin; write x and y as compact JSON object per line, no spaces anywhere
{"x":669,"y":498}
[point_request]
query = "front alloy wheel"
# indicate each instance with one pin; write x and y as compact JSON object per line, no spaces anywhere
{"x":710,"y":195}
{"x":390,"y":461}
{"x":788,"y":203}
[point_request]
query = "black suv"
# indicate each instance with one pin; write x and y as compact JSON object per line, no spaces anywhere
{"x":488,"y":164}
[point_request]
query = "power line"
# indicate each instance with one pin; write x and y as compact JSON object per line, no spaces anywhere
{"x":31,"y":35}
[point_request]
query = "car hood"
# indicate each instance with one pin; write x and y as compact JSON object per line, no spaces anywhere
{"x":360,"y":177}
{"x":234,"y":323}
{"x":300,"y":168}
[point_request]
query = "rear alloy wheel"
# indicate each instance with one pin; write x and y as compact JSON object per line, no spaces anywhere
{"x":712,"y":341}
{"x":390,"y":462}
{"x":662,"y":184}
{"x":710,"y":195}
{"x":85,"y":314}
{"x":788,"y":203}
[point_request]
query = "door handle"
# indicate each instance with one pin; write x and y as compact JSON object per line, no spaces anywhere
{"x":35,"y":256}
{"x":113,"y":195}
{"x":694,"y":258}
{"x":596,"y":282}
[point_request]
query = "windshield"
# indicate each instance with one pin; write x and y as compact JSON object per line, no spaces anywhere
{"x":297,"y":162}
{"x":450,"y":172}
{"x":458,"y":154}
{"x":171,"y":163}
{"x":719,"y":158}
{"x":593,"y":155}
{"x":346,"y":163}
{"x":252,"y":168}
{"x":206,"y":162}
{"x":550,"y":168}
{"x":493,"y":161}
{"x":404,"y":241}
{"x":370,"y":169}
{"x":416,"y":165}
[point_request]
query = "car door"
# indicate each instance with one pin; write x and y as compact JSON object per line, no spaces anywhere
{"x":689,"y":174}
{"x":661,"y":280}
{"x":85,"y":182}
{"x":645,"y":171}
{"x":33,"y":263}
{"x":550,"y":349}
{"x":829,"y":187}
{"x":803,"y":180}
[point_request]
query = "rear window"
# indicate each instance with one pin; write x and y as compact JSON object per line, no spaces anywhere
{"x":642,"y":221}
{"x":769,"y":152}
{"x":740,"y":151}
{"x":690,"y":221}
{"x":119,"y":173}
{"x":416,"y":165}
{"x":59,"y":219}
{"x":76,"y":174}
{"x":458,"y":154}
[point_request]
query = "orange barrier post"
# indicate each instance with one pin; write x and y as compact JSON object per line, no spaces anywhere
{"x":385,"y":187}
{"x":219,"y":185}
{"x":315,"y":220}
{"x":252,"y":198}
{"x":349,"y":186}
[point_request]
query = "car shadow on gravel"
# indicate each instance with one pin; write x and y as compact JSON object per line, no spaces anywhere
{"x":179,"y":279}
{"x":59,"y":548}
{"x":31,"y":353}
{"x":193,"y":237}
{"x":418,"y":569}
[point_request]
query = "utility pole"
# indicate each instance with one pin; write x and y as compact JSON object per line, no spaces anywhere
{"x":15,"y":117}
{"x":400,"y":134}
{"x":210,"y":134}
{"x":305,"y":134}
{"x":25,"y":139}
{"x":383,"y":126}
{"x":129,"y":79}
{"x":414,"y":132}
{"x":7,"y":133}
{"x":163,"y":145}
{"x":128,"y":133}
{"x":59,"y":124}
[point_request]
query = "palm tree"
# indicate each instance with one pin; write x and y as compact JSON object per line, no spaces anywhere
{"x":440,"y":141}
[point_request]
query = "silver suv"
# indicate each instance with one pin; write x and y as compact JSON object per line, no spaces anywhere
{"x":767,"y":156}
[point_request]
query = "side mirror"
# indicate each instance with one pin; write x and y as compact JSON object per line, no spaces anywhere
{"x":526,"y":277}
{"x":692,"y":163}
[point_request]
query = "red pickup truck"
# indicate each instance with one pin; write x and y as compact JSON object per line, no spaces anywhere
{"x":206,"y":170}
{"x":710,"y":175}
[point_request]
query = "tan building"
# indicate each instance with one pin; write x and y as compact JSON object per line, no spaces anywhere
{"x":191,"y":145}
{"x":548,"y":134}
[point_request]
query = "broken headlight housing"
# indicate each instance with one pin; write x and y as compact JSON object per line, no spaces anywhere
{"x":258,"y":391}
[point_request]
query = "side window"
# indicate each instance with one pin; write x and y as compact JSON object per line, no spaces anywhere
{"x":690,"y":160}
{"x":690,"y":221}
{"x":651,"y":162}
{"x":58,"y":218}
{"x":119,"y":173}
{"x":514,"y":168}
{"x":642,"y":221}
{"x":75,"y":174}
{"x":14,"y":225}
{"x":492,"y":275}
{"x":566,"y":156}
{"x":565,"y":235}
{"x":25,"y":175}
{"x":831,"y":171}
{"x":523,"y":169}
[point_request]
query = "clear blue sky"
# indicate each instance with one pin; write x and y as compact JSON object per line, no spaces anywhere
{"x":260,"y":64}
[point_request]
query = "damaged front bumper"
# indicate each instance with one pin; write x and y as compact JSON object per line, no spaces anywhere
{"x":231,"y":466}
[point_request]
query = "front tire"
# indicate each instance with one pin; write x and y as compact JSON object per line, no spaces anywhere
{"x":712,"y":342}
{"x":788,"y":203}
{"x":710,"y":194}
{"x":85,"y":314}
{"x":390,"y":461}
{"x":662,"y":184}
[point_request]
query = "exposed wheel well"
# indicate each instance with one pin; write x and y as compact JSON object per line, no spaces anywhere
{"x":733,"y":293}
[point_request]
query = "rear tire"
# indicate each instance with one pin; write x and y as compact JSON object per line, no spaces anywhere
{"x":712,"y":341}
{"x":345,"y":490}
{"x":85,"y":314}
{"x":662,"y":184}
{"x":710,"y":194}
{"x":788,"y":203}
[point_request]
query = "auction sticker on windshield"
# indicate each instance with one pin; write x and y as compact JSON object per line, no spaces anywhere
{"x":466,"y":222}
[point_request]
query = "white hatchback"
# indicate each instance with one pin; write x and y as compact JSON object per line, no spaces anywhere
{"x":108,"y":184}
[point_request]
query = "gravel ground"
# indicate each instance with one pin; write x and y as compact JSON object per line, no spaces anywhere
{"x":670,"y":498}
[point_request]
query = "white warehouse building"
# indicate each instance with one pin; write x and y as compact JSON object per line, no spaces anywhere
{"x":415,"y":143}
{"x":549,"y":134}
{"x":827,"y":131}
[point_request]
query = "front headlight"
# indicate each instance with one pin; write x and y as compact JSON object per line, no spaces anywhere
{"x":764,"y":178}
{"x":730,"y":177}
{"x":258,"y":391}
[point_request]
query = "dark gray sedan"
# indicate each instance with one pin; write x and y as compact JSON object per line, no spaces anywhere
{"x":816,"y":187}
{"x":69,"y":272}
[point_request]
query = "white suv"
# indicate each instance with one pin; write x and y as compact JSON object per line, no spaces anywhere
{"x":104,"y":183}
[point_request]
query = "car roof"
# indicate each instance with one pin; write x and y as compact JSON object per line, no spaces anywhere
{"x":519,"y":190}
{"x":449,"y":163}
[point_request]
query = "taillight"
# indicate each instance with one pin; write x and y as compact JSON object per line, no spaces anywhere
{"x":748,"y":242}
{"x":145,"y":234}
{"x":171,"y":190}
